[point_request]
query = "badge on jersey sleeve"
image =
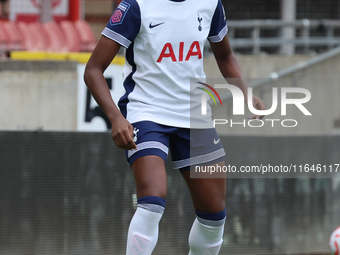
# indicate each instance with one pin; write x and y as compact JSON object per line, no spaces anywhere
{"x":119,"y":14}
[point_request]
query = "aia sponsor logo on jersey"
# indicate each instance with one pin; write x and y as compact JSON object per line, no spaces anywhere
{"x":168,"y":52}
{"x":119,"y":14}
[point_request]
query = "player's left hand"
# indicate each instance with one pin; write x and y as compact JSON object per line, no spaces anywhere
{"x":259,"y":105}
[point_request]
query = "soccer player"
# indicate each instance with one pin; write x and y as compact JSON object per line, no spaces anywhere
{"x":164,"y":42}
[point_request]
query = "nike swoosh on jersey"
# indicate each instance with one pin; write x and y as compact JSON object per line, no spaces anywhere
{"x":152,"y":26}
{"x":216,"y":142}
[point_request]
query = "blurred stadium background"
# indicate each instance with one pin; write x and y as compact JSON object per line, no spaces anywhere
{"x":66,"y":189}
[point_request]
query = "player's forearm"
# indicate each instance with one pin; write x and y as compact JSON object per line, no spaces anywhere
{"x":97,"y":85}
{"x":233,"y":73}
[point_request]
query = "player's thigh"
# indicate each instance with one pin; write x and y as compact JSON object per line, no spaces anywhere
{"x":208,"y":194}
{"x":150,"y":176}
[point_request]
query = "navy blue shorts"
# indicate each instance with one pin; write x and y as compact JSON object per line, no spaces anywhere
{"x":189,"y":147}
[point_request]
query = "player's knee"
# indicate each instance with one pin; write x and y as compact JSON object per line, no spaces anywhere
{"x":151,"y":192}
{"x":215,"y":205}
{"x":146,"y":189}
{"x":218,"y":206}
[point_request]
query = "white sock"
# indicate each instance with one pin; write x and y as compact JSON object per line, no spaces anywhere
{"x":143,"y":232}
{"x":204,"y":239}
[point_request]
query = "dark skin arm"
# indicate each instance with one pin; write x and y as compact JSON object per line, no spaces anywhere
{"x":105,"y":51}
{"x":232,"y":71}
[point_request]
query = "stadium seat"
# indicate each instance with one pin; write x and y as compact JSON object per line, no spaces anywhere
{"x":42,"y":40}
{"x":71,"y":35}
{"x":29,"y":40}
{"x":88,"y":41}
{"x":14,"y":38}
{"x":57,"y":41}
{"x":66,"y":37}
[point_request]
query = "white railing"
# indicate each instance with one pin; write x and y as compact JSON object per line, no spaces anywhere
{"x":288,"y":71}
{"x":304,"y":39}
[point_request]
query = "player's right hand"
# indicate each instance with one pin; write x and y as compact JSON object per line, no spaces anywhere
{"x":122,"y":134}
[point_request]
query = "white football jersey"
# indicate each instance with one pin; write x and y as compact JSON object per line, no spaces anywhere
{"x":164,"y":41}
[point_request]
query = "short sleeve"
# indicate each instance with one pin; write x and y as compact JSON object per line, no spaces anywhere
{"x":124,"y":24}
{"x":218,"y":28}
